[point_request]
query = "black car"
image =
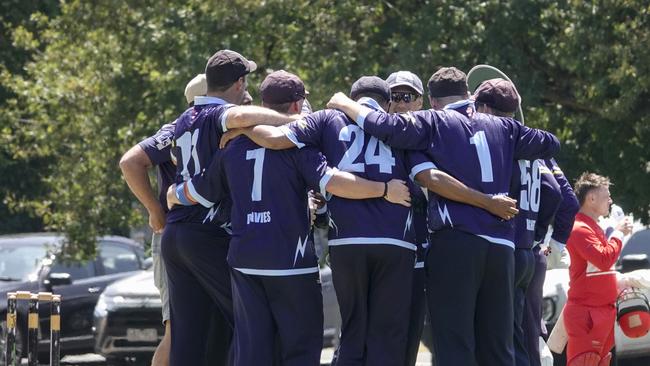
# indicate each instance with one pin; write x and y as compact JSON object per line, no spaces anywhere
{"x":28,"y":262}
{"x":128,"y":321}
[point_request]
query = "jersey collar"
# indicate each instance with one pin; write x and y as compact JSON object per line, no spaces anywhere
{"x":370,"y":103}
{"x":204,"y":100}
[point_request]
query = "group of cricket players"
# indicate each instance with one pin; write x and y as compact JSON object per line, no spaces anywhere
{"x":441,"y":211}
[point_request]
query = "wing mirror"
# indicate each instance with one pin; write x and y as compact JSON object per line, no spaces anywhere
{"x":58,"y":279}
{"x":147,"y":263}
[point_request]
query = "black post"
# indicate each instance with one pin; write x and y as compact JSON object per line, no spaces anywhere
{"x":11,"y":330}
{"x":55,"y":330}
{"x":32,"y":331}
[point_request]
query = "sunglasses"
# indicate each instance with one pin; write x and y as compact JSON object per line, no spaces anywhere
{"x":403,"y":96}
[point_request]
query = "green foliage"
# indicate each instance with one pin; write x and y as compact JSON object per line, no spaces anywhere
{"x":21,"y":175}
{"x":84,"y":81}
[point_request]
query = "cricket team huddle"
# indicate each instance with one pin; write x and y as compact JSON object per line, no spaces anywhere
{"x":440,"y":210}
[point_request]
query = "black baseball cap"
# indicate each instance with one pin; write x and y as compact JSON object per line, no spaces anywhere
{"x":225,"y":67}
{"x":370,"y":84}
{"x":447,"y":81}
{"x":282,"y":87}
{"x":499,"y":94}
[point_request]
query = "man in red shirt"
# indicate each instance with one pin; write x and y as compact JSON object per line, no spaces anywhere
{"x":590,"y":312}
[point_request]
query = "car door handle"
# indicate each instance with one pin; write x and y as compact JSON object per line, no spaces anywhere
{"x":94,"y":290}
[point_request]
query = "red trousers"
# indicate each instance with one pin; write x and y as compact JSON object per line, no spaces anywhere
{"x":590,"y":329}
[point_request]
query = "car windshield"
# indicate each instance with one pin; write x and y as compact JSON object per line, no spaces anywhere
{"x":18,"y":262}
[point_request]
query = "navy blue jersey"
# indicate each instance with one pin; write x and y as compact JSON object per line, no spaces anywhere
{"x":419,"y":207}
{"x":196,"y":143}
{"x":419,"y":162}
{"x":270,"y":213}
{"x":479,"y":152}
{"x":158,"y":149}
{"x":347,"y":147}
{"x":538,"y":196}
{"x":566,"y":207}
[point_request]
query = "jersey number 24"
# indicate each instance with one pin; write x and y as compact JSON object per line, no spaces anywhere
{"x":377,"y":153}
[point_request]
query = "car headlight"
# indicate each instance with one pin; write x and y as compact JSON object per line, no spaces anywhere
{"x":110,"y":303}
{"x":107,"y":303}
{"x":101,"y":308}
{"x":548,"y":308}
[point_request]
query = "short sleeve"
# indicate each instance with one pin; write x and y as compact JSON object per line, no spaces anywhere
{"x":306,"y":131}
{"x":158,"y":146}
{"x":312,"y":165}
{"x":417,"y":161}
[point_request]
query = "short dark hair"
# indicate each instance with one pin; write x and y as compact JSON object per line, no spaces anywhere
{"x":586,"y":183}
{"x":221,"y":88}
{"x":447,"y":81}
{"x":495,"y":111}
{"x":280,"y":108}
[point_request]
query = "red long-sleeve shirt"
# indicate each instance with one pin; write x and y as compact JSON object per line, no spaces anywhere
{"x":592,"y":275}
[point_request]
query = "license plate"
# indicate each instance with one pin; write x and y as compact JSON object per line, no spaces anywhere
{"x":141,"y":335}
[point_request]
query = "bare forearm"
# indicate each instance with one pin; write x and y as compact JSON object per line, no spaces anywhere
{"x":247,"y":116}
{"x":269,"y":137}
{"x":451,"y":188}
{"x":134,"y":165}
{"x":348,"y":106}
{"x":350,"y":186}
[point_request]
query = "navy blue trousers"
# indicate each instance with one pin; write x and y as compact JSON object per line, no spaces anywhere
{"x":277,"y":314}
{"x":373,"y":285}
{"x":524,"y":270}
{"x":532,"y":323}
{"x":416,"y":322}
{"x":470,"y":284}
{"x":199,"y":283}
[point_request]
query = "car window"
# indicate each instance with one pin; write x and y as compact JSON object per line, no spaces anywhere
{"x":116,"y":259}
{"x":639,"y":243}
{"x":18,"y":262}
{"x":77,"y":270}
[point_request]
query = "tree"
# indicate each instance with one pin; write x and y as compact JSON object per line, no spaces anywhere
{"x":19,"y":192}
{"x":101,"y":76}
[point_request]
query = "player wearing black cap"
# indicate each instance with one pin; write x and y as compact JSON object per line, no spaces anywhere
{"x":371,"y":243}
{"x":275,"y":271}
{"x":195,"y":241}
{"x":471,"y":315}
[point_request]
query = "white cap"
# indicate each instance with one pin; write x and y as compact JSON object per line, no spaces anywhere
{"x":196,"y":87}
{"x":405,"y":78}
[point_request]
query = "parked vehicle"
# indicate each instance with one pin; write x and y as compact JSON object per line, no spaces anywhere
{"x":128,"y":321}
{"x":28,"y":262}
{"x":635,"y":255}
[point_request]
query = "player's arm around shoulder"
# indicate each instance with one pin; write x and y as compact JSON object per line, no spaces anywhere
{"x":249,"y":115}
{"x":449,"y":187}
{"x":348,"y":185}
{"x":270,"y":137}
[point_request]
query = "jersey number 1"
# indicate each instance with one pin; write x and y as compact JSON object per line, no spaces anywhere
{"x":484,"y":159}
